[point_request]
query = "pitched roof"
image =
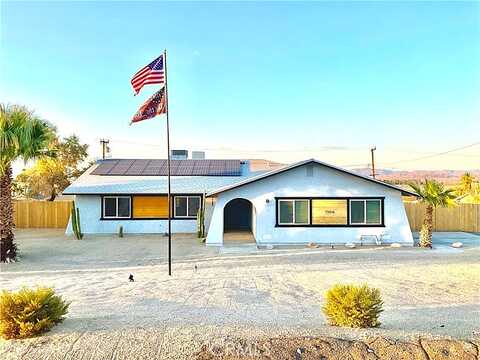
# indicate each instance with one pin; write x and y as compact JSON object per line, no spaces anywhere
{"x":301,"y":163}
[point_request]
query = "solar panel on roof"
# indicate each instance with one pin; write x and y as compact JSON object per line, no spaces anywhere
{"x":200,"y":168}
{"x":104,"y":167}
{"x":186,"y":168}
{"x":158,"y":167}
{"x":121,"y":167}
{"x":152,"y":168}
{"x":163,"y":169}
{"x":137,"y":167}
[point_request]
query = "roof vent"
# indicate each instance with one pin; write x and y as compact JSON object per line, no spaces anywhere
{"x":198,"y":155}
{"x":179,"y":154}
{"x":310,"y":170}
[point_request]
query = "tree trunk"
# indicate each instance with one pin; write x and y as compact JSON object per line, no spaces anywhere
{"x":53,"y":195}
{"x":8,"y":249}
{"x":427,"y":227}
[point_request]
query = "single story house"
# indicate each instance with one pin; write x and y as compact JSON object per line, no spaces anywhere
{"x":305,"y":202}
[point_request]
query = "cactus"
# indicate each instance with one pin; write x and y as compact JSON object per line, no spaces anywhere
{"x":76,"y":222}
{"x":201,"y":222}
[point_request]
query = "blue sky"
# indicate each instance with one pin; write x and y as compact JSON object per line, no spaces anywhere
{"x":284,"y":81}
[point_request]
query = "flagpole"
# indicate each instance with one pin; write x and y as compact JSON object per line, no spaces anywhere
{"x":168,"y":172}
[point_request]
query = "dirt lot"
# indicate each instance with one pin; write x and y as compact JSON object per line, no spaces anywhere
{"x":308,"y":348}
{"x":246,"y":295}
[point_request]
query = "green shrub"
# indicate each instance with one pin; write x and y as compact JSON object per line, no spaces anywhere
{"x":29,"y":312}
{"x":353,"y":306}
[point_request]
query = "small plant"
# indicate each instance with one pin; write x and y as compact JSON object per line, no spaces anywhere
{"x":353,"y":306}
{"x":201,"y":222}
{"x":120,"y":231}
{"x":76,"y":222}
{"x":30,"y":312}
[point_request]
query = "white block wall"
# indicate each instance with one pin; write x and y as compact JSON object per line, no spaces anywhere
{"x":90,"y":220}
{"x":324,"y":182}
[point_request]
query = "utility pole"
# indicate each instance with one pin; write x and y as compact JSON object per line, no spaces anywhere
{"x":373,"y":161}
{"x":104,"y":143}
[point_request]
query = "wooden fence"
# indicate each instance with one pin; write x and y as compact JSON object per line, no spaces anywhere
{"x":55,"y":214}
{"x":464,"y":217}
{"x":41,"y":214}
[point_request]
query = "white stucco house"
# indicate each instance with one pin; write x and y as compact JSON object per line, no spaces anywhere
{"x":305,"y":202}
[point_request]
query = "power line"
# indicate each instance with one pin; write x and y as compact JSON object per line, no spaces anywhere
{"x":419,"y":158}
{"x":433,"y":155}
{"x":326,"y":148}
{"x":224,"y":149}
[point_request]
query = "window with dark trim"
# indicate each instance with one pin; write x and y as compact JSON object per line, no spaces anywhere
{"x":116,"y":207}
{"x":330,"y":211}
{"x":365,"y":211}
{"x":186,"y":206}
{"x":150,"y":207}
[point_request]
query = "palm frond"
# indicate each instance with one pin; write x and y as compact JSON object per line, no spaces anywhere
{"x":434,"y":193}
{"x":22,"y":135}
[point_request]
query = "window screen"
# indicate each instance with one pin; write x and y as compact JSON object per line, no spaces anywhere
{"x":357,"y":211}
{"x":123,"y":207}
{"x":293,"y":211}
{"x":110,"y":207}
{"x":181,"y":206}
{"x":193,"y":205}
{"x":286,"y":212}
{"x":301,"y":211}
{"x":374,"y":214}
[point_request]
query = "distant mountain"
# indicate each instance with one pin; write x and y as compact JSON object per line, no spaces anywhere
{"x":402,"y":176}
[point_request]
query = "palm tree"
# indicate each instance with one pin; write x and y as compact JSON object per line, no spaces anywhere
{"x":475,"y":193}
{"x":466,"y":182}
{"x":22,"y":136}
{"x":433,"y":194}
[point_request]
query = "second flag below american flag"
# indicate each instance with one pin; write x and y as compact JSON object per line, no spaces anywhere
{"x":155,"y":105}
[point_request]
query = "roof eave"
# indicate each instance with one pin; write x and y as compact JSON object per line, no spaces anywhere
{"x":302,"y":163}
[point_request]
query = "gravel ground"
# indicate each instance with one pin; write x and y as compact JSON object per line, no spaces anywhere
{"x":427,"y":293}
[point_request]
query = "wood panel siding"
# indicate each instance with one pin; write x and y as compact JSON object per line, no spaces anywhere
{"x":464,"y":217}
{"x":41,"y":214}
{"x":329,"y":211}
{"x":145,"y":207}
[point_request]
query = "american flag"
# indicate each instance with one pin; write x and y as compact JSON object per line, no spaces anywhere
{"x":154,"y":106}
{"x":153,"y":73}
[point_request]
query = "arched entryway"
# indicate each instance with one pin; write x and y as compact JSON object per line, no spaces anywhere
{"x":238,"y":221}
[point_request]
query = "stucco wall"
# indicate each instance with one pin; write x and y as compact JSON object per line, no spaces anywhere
{"x":323,"y":182}
{"x":90,"y":214}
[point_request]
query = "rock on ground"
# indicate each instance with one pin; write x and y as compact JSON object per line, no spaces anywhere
{"x":308,"y":348}
{"x":450,"y":349}
{"x":394,"y":350}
